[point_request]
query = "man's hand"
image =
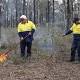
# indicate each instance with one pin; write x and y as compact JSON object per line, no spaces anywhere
{"x":63,"y":35}
{"x":21,"y":38}
{"x":29,"y":33}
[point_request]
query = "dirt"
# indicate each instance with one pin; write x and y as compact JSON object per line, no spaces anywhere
{"x":46,"y":68}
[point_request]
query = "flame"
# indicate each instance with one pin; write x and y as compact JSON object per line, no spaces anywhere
{"x":3,"y":57}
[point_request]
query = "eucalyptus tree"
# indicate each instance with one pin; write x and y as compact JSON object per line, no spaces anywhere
{"x":68,"y":4}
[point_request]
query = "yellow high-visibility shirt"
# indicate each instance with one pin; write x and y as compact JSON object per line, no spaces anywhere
{"x":75,"y":28}
{"x":26,"y":27}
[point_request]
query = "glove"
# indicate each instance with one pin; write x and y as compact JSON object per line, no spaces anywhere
{"x":21,"y":38}
{"x":64,"y":35}
{"x":29,"y":33}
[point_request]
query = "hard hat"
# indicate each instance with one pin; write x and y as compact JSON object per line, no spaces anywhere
{"x":23,"y":17}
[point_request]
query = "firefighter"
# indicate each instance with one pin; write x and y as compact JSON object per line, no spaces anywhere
{"x":26,"y":29}
{"x":75,"y":29}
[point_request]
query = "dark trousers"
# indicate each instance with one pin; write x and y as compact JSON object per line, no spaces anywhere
{"x":23,"y":46}
{"x":75,"y":48}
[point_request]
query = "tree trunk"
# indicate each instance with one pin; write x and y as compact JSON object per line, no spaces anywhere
{"x":24,"y":6}
{"x":53,"y":11}
{"x":69,"y":13}
{"x":34,"y":3}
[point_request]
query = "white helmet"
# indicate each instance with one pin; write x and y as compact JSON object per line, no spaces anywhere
{"x":23,"y":17}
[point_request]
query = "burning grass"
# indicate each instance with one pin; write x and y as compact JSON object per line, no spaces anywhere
{"x":3,"y":57}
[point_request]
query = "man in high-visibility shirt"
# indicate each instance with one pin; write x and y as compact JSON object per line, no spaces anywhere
{"x":75,"y":29}
{"x":26,"y":28}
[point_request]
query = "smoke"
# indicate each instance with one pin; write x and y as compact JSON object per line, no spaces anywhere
{"x":60,"y":1}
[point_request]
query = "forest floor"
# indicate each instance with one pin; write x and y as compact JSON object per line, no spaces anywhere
{"x":42,"y":66}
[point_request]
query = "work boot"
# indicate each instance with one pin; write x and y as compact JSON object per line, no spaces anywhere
{"x":72,"y":59}
{"x":78,"y":59}
{"x":28,"y":57}
{"x":22,"y":55}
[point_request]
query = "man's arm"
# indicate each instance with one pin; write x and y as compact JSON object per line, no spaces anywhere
{"x":20,"y":34}
{"x":19,"y":31}
{"x":68,"y":32}
{"x":33,"y":28}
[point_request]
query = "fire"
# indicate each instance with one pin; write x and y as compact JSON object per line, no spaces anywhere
{"x":3,"y":57}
